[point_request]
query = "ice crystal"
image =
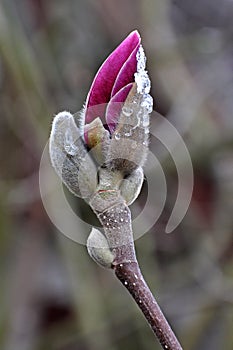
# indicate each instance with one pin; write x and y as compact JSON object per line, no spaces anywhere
{"x":143,"y":82}
{"x":141,"y":59}
{"x":141,"y":77}
{"x":147,"y":103}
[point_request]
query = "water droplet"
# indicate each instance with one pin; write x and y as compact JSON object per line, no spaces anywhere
{"x":125,"y":283}
{"x":140,"y":301}
{"x":146,"y":130}
{"x":71,"y":150}
{"x":134,"y":284}
{"x":121,"y":265}
{"x":121,"y":219}
{"x":136,"y":276}
{"x":127,"y":111}
{"x":117,"y":136}
{"x":69,"y":144}
{"x":136,"y":124}
{"x":166,"y":346}
{"x":128,"y":133}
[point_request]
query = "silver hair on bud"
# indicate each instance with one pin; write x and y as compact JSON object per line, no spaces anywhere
{"x":70,"y":158}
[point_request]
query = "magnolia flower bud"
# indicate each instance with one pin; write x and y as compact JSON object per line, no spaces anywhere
{"x":119,"y":100}
{"x":98,"y":249}
{"x":70,"y":158}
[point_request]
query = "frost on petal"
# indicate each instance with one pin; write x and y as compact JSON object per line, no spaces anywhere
{"x":101,"y":88}
{"x":115,"y":105}
{"x":141,"y":76}
{"x":143,"y":82}
{"x":147,"y":103}
{"x":141,"y":59}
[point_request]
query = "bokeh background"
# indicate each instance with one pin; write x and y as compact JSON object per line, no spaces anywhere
{"x":52,"y":296}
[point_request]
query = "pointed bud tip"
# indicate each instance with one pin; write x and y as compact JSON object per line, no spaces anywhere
{"x":133,"y":38}
{"x":61,"y":116}
{"x":135,"y":33}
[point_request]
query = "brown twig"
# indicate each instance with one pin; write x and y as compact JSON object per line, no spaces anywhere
{"x":115,"y":217}
{"x":131,"y":277}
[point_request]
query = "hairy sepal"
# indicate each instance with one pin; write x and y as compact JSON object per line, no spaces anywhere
{"x":70,"y":158}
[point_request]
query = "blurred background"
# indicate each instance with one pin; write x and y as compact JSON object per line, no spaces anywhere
{"x":52,"y":295}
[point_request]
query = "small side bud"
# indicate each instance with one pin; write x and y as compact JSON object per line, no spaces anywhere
{"x":131,"y":186}
{"x":98,"y":249}
{"x":70,"y":157}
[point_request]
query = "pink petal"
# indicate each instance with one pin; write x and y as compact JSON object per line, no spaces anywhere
{"x":115,"y":105}
{"x":92,"y":112}
{"x":101,"y":88}
{"x":126,"y":74}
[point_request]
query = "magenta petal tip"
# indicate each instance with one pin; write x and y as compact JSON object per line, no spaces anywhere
{"x":115,"y":106}
{"x":108,"y":76}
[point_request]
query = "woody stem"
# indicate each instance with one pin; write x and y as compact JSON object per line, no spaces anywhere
{"x":131,"y":277}
{"x":115,"y":218}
